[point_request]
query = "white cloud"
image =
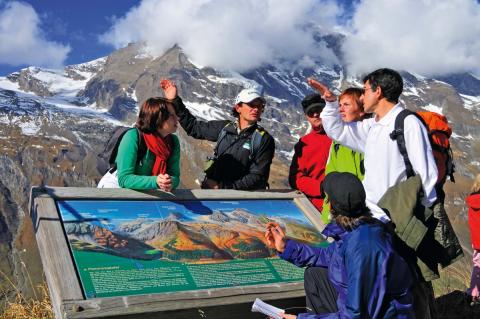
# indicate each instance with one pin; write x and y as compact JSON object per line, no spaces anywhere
{"x":235,"y":34}
{"x":22,"y":40}
{"x":429,"y":37}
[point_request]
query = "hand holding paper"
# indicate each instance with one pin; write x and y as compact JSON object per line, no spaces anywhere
{"x":266,"y":309}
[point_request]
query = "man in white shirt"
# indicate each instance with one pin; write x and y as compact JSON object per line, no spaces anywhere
{"x":384,"y":165}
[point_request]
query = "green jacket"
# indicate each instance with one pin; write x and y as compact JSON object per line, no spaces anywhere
{"x":342,"y":159}
{"x":423,"y":230}
{"x":139,"y":176}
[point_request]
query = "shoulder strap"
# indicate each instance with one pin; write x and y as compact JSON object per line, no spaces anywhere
{"x":336,"y":147}
{"x":221,"y":135}
{"x":362,"y":163}
{"x":398,"y":135}
{"x":142,"y":149}
{"x":255,"y":141}
{"x":142,"y":146}
{"x":115,"y":140}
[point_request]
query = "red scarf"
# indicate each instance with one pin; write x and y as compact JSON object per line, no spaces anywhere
{"x":162,"y":148}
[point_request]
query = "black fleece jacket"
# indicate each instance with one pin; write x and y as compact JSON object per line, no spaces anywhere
{"x":234,"y":168}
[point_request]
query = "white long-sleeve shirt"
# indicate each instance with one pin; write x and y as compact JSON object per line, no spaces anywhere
{"x":384,"y":165}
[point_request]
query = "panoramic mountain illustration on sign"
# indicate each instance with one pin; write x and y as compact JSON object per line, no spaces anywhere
{"x":168,"y":235}
{"x":67,"y":80}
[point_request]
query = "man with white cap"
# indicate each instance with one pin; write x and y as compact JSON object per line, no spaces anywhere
{"x":244,"y":150}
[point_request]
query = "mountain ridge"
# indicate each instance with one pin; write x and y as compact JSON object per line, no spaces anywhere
{"x":55,"y":122}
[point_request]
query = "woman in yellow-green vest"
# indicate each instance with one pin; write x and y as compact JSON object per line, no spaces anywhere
{"x":342,"y":158}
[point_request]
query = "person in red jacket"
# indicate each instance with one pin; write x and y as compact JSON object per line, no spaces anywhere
{"x":473,"y":203}
{"x":307,"y":169}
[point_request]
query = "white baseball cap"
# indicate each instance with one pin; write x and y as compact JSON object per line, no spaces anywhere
{"x":248,"y":95}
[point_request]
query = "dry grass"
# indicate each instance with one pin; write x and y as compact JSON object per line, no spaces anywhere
{"x":454,"y":277}
{"x":19,"y":307}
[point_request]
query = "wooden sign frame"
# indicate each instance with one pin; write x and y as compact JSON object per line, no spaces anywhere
{"x":64,"y":282}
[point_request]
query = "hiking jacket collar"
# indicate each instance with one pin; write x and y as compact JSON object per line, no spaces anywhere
{"x":391,"y":115}
{"x":234,"y":128}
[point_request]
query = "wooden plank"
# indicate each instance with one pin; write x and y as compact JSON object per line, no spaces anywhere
{"x":57,"y":263}
{"x":242,"y":310}
{"x":113,"y":307}
{"x":180,"y":194}
{"x":310,"y":211}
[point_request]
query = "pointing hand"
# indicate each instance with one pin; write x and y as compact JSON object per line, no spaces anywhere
{"x":324,"y":91}
{"x":275,"y":237}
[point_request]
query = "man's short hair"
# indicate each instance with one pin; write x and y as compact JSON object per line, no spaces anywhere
{"x":390,"y":81}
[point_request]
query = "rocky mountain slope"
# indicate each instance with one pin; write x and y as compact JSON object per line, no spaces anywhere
{"x":237,"y":234}
{"x":54,"y":122}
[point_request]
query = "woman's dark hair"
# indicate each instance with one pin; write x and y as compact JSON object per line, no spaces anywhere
{"x":390,"y":81}
{"x":153,"y":113}
{"x":350,"y":223}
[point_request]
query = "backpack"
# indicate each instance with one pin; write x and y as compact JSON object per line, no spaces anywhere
{"x":106,"y":159}
{"x":439,"y":133}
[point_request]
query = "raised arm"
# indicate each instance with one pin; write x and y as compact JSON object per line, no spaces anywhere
{"x":324,"y":91}
{"x":204,"y":130}
{"x":354,"y":134}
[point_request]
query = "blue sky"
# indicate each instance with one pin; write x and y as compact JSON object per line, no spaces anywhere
{"x":77,"y":24}
{"x":117,"y":212}
{"x":422,"y":36}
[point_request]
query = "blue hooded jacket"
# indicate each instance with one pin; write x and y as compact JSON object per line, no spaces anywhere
{"x":371,"y":279}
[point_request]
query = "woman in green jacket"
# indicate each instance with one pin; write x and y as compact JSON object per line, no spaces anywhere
{"x":342,"y":158}
{"x":160,"y":167}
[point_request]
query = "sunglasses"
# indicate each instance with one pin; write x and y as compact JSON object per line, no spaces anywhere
{"x":256,"y":104}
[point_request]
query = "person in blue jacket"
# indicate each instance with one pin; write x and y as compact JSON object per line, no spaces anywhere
{"x":370,"y":278}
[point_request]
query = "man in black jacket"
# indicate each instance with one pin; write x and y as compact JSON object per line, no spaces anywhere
{"x":244,"y":150}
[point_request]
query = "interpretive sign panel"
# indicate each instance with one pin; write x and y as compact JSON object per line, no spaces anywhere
{"x":137,"y":247}
{"x":114,"y":253}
